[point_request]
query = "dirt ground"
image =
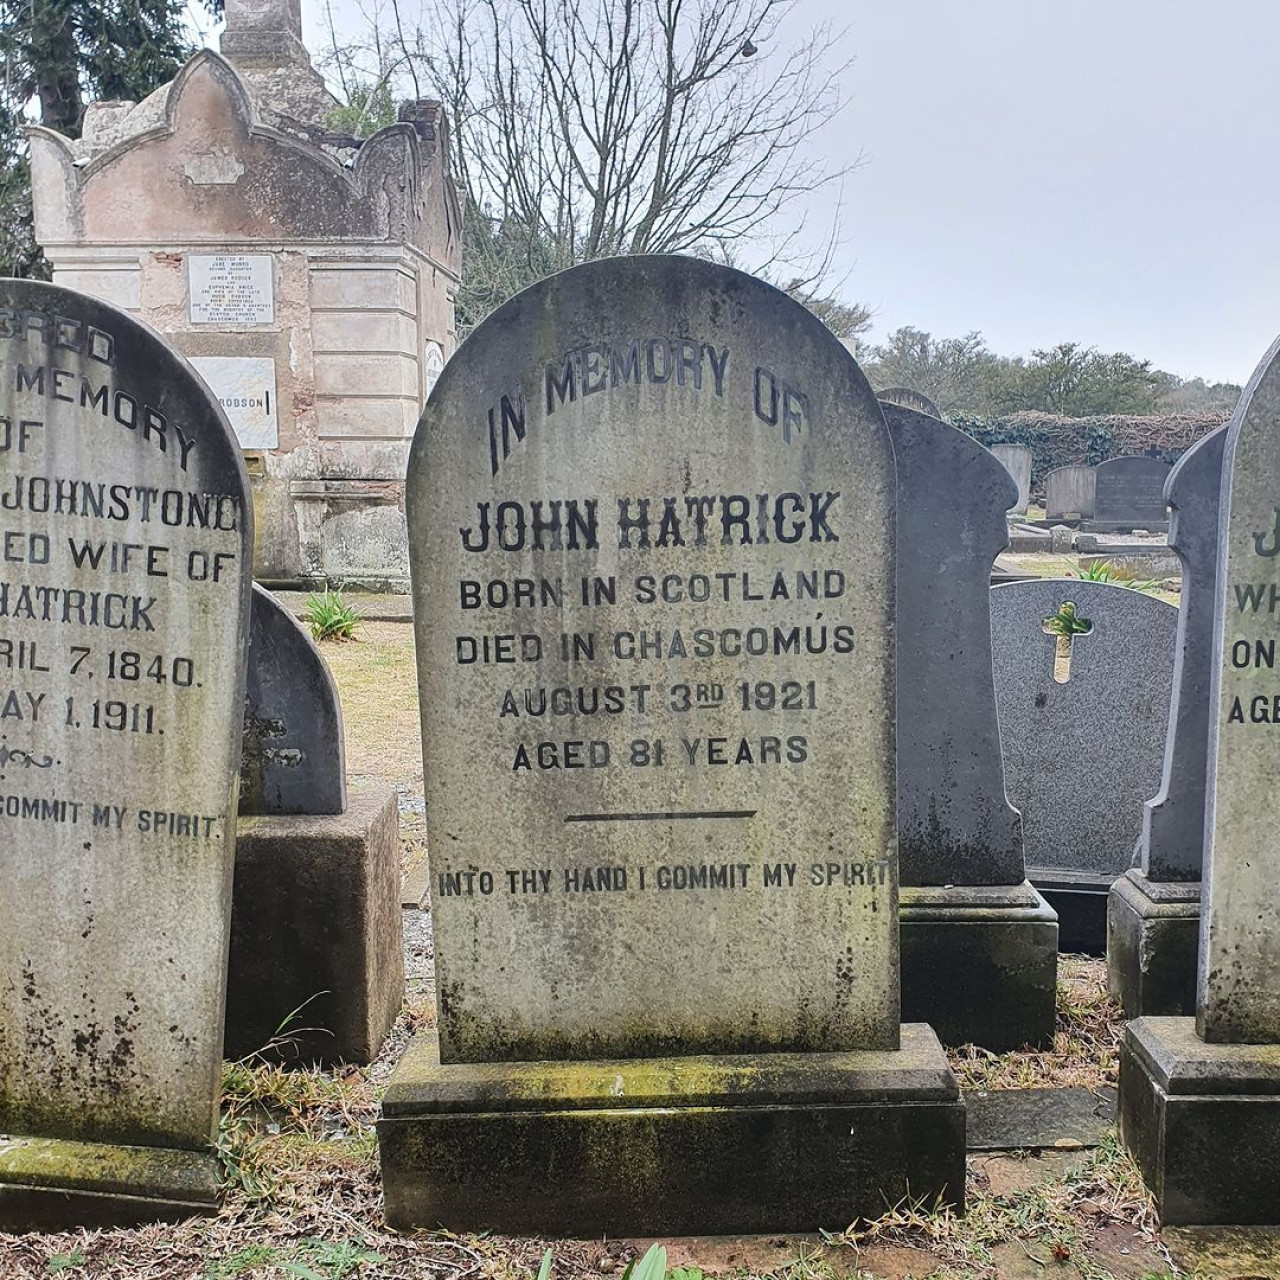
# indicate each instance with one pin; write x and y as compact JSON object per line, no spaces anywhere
{"x":299,"y":1155}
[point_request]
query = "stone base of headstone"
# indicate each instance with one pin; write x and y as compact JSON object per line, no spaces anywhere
{"x":1203,"y":1122}
{"x":1153,"y":932}
{"x":1080,"y":900}
{"x":47,"y":1184}
{"x":980,"y":964}
{"x":670,"y":1146}
{"x":1124,"y":526}
{"x":317,"y":967}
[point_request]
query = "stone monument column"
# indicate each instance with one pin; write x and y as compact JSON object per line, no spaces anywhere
{"x":652,"y":507}
{"x":1200,"y":1098}
{"x":264,"y":33}
{"x":1153,"y":912}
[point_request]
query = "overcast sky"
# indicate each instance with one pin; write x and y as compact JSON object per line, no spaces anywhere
{"x":1105,"y":171}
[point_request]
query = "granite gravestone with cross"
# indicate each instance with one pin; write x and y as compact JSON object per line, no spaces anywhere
{"x":1200,"y":1098}
{"x":124,"y":603}
{"x":1129,"y":494}
{"x":1082,"y":723}
{"x":1016,"y":460}
{"x":1153,"y":916}
{"x":979,"y":944}
{"x":651,"y":505}
{"x":1070,"y":492}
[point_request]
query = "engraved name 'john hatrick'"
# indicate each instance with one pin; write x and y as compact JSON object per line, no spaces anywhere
{"x":734,"y":519}
{"x":598,"y":367}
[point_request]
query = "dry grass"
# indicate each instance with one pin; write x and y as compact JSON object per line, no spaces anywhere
{"x":378,"y":684}
{"x":1086,"y":1042}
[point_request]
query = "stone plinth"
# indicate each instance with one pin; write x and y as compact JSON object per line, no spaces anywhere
{"x":1202,"y":1122}
{"x":670,"y":1146}
{"x":1153,"y":930}
{"x":316,"y":928}
{"x":980,"y":965}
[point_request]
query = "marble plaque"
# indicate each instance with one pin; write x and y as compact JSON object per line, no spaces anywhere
{"x":246,"y":389}
{"x":124,"y":598}
{"x":651,"y":512}
{"x":230,"y":288}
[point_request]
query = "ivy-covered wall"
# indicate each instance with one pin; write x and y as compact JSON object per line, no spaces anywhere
{"x":1060,"y":442}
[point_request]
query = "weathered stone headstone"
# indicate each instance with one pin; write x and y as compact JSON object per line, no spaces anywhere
{"x":1016,"y":460}
{"x":908,"y":398}
{"x":1070,"y":491}
{"x":125,"y":600}
{"x":1153,"y":921}
{"x":1200,"y":1100}
{"x":651,"y":505}
{"x":293,"y":759}
{"x":1081,"y":753}
{"x":1129,"y":494}
{"x":979,"y":945}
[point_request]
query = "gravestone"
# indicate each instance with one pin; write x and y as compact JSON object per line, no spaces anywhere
{"x":315,"y":920}
{"x":979,"y":944}
{"x":1083,"y":744}
{"x":292,"y":760}
{"x":651,"y":509}
{"x":1200,"y":1098}
{"x":1129,"y":494}
{"x":125,"y":601}
{"x":1153,"y":920}
{"x":1016,"y":460}
{"x":1070,"y":491}
{"x":907,"y":398}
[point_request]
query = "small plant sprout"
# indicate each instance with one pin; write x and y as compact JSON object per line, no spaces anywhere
{"x":330,"y":617}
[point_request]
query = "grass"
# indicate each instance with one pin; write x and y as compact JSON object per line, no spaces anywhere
{"x":1086,"y":1040}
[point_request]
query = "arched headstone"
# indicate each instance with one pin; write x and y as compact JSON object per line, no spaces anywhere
{"x":660,"y":792}
{"x":293,"y":759}
{"x":125,"y":601}
{"x":909,"y":399}
{"x":1083,"y":747}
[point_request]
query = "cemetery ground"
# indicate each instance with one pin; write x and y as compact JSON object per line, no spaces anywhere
{"x":299,"y":1154}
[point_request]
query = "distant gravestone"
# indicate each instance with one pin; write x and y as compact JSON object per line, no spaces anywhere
{"x":654,"y":617}
{"x":1083,"y":739}
{"x":977,"y":977}
{"x":292,"y":760}
{"x":1070,"y":491}
{"x":1129,"y":494}
{"x":1016,"y":460}
{"x":1154,"y":913}
{"x":1200,"y":1099}
{"x":125,"y":600}
{"x":906,"y":398}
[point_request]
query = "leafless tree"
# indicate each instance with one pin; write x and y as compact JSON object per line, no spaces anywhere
{"x":584,"y":128}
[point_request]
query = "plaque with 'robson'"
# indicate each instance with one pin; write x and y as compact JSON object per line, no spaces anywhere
{"x":651,"y":507}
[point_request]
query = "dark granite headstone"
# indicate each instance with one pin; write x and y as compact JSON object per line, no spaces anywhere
{"x":293,"y":760}
{"x":124,"y":605}
{"x":1081,"y":755}
{"x":1129,"y":494}
{"x":955,"y":824}
{"x":1154,"y":912}
{"x":651,"y":506}
{"x":978,"y":965}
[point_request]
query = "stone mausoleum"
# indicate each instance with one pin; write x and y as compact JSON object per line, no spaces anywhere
{"x":307,"y":274}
